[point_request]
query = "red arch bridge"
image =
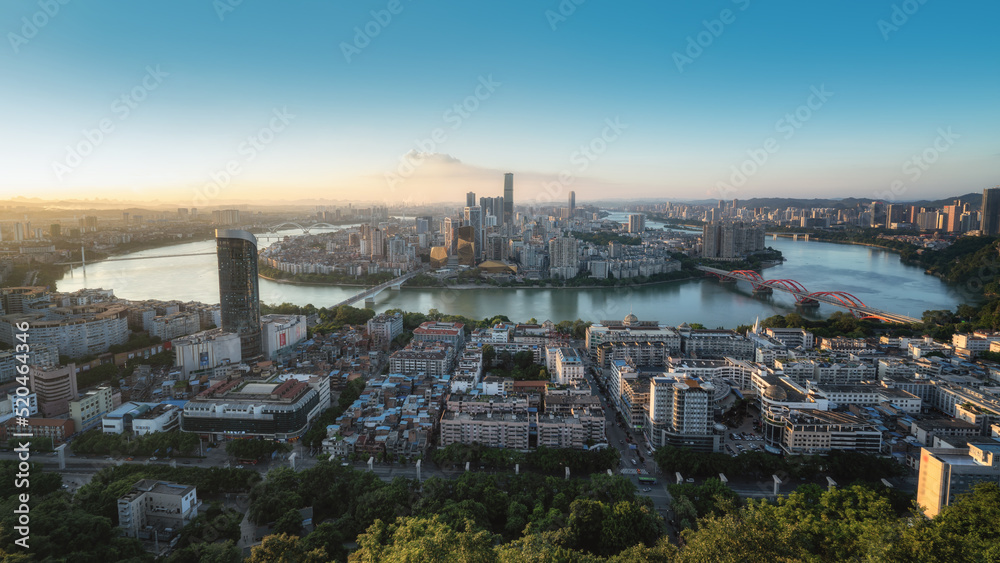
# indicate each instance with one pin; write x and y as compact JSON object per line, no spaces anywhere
{"x":806,"y":298}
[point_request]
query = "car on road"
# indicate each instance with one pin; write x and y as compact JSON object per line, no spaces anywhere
{"x":154,"y":458}
{"x":239,"y":467}
{"x":128,"y":459}
{"x":690,"y":479}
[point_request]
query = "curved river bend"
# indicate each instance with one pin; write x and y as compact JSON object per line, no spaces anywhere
{"x":875,"y":276}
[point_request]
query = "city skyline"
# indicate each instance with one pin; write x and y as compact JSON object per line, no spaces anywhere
{"x":407,"y":102}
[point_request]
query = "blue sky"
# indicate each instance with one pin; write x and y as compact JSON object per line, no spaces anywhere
{"x":700,"y":90}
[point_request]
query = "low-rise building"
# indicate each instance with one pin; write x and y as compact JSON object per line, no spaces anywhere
{"x":279,"y":333}
{"x":202,"y":352}
{"x":811,"y":432}
{"x":946,"y":473}
{"x":241,"y":407}
{"x":88,"y":410}
{"x":385,"y":327}
{"x":158,"y":506}
{"x":58,"y":429}
{"x":564,"y":364}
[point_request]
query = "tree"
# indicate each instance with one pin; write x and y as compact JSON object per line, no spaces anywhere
{"x":283,"y":548}
{"x":289,"y":523}
{"x":418,"y":540}
{"x":489,"y":354}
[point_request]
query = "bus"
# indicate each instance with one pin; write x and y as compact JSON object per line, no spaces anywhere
{"x":647,"y":480}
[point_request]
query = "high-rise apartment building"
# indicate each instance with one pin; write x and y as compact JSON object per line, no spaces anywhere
{"x":731,"y":241}
{"x":636,"y":222}
{"x":239,"y":291}
{"x":564,"y":259}
{"x":470,"y":199}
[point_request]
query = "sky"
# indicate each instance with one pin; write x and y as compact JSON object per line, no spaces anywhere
{"x":204,"y":102}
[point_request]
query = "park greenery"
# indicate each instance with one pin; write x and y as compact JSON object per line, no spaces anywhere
{"x":519,"y":366}
{"x":255,"y":448}
{"x":96,"y":442}
{"x":602,"y":238}
{"x":844,"y":466}
{"x":499,"y":517}
{"x":337,"y":278}
{"x":542,"y":459}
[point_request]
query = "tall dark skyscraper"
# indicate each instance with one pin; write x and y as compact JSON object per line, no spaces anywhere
{"x":990,"y":225}
{"x":470,"y":199}
{"x":572,"y":203}
{"x":239,"y":290}
{"x":508,"y":198}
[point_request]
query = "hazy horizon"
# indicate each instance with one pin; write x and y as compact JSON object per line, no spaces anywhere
{"x":394,"y":101}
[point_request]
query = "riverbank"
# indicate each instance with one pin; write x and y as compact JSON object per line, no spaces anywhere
{"x":469,"y":286}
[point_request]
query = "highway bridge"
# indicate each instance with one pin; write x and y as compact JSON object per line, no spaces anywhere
{"x":369,"y":294}
{"x":805,"y":298}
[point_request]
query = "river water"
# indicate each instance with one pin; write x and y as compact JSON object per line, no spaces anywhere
{"x":875,"y":276}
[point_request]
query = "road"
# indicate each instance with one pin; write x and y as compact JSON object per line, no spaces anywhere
{"x":621,"y":437}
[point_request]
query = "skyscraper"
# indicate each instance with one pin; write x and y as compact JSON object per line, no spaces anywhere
{"x":498,"y":209}
{"x":508,"y":198}
{"x":470,"y":199}
{"x":990,"y":224}
{"x":239,"y":292}
{"x":474,"y":218}
{"x":572,"y":203}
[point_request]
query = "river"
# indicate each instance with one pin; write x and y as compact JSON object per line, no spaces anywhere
{"x":875,"y":276}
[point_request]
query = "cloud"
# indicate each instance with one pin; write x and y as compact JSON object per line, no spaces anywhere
{"x":435,"y":157}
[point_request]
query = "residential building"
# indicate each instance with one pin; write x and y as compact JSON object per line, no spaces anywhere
{"x":385,"y":327}
{"x":452,"y":333}
{"x":564,"y":365}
